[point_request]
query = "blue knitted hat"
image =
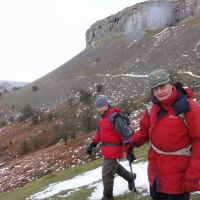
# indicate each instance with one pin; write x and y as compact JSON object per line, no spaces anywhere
{"x":101,"y":101}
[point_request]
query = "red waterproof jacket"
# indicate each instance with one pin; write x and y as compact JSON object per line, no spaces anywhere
{"x":163,"y":126}
{"x":112,"y":141}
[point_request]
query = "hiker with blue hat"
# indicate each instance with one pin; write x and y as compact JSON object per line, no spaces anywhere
{"x":172,"y":127}
{"x":111,"y":133}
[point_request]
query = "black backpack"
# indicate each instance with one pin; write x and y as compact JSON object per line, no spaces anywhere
{"x":112,"y":118}
{"x":125,"y":119}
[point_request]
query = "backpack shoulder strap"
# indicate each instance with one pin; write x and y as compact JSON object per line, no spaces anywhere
{"x":181,"y":107}
{"x":183,"y":117}
{"x":112,"y":117}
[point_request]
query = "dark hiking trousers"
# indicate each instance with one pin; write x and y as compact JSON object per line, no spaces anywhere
{"x":109,"y":169}
{"x":163,"y":196}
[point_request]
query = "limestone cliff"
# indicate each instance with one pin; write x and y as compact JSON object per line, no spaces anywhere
{"x":146,"y":15}
{"x":121,"y":64}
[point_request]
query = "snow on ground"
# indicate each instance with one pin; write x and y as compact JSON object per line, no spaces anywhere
{"x":122,"y":75}
{"x":190,"y":73}
{"x":92,"y":179}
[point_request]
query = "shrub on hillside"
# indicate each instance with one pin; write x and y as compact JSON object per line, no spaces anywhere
{"x":85,"y":96}
{"x":34,"y":88}
{"x":1,"y":154}
{"x":87,"y":120}
{"x":54,"y":139}
{"x":26,"y":112}
{"x":144,"y":99}
{"x":99,"y":88}
{"x":50,"y":116}
{"x":62,"y":133}
{"x":128,"y":106}
{"x":3,"y":121}
{"x":31,"y":144}
{"x":72,"y":102}
{"x":98,"y":59}
{"x":69,"y":127}
{"x":35,"y":143}
{"x":40,"y":174}
{"x":24,"y":147}
{"x":37,"y":117}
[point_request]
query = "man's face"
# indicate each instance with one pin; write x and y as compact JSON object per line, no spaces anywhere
{"x":102,"y":109}
{"x":163,"y":91}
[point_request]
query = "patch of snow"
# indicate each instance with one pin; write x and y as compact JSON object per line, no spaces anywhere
{"x":190,"y":73}
{"x":92,"y":179}
{"x":163,"y":35}
{"x":197,"y":49}
{"x":125,"y":75}
{"x":134,"y":41}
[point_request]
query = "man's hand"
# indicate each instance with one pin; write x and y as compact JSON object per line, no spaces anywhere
{"x":130,"y":156}
{"x":89,"y":150}
{"x":90,"y":147}
{"x":128,"y":146}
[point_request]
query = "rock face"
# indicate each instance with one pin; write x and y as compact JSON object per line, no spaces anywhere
{"x":146,"y":15}
{"x":121,"y":62}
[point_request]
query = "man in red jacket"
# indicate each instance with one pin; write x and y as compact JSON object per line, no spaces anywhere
{"x":112,"y":137}
{"x":172,"y":125}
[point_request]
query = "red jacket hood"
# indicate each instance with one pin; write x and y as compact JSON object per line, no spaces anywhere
{"x":189,"y":92}
{"x":111,"y":110}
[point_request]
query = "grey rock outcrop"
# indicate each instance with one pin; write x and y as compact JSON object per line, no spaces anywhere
{"x":119,"y":64}
{"x":146,"y":15}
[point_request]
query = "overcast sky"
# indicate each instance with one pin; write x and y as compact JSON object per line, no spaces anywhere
{"x":37,"y":36}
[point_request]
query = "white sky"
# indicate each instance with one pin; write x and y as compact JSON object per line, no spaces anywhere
{"x":37,"y":36}
{"x":92,"y":179}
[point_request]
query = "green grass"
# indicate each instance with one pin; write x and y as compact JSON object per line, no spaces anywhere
{"x":83,"y":193}
{"x":187,"y":24}
{"x":191,"y":22}
{"x":111,"y":38}
{"x":152,"y":32}
{"x":141,"y":153}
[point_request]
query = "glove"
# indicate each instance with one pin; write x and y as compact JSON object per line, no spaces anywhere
{"x":128,"y":146}
{"x":90,"y":147}
{"x":130,"y":156}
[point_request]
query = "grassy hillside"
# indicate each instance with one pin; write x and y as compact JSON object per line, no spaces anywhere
{"x":82,"y":194}
{"x":35,"y":186}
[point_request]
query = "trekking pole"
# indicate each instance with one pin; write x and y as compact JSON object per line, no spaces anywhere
{"x":134,"y":188}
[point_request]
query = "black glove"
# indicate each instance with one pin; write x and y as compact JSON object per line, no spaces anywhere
{"x":90,"y":147}
{"x":130,"y":156}
{"x":129,"y":146}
